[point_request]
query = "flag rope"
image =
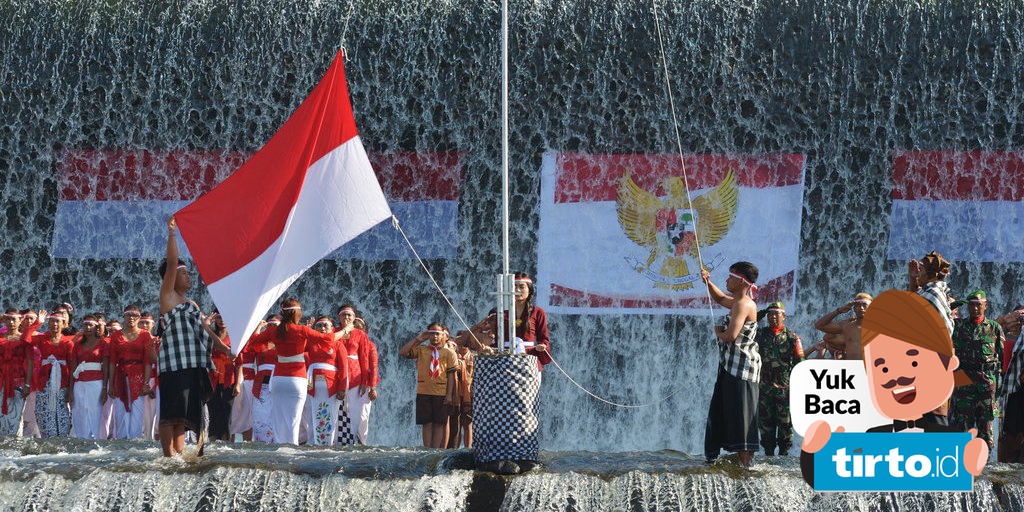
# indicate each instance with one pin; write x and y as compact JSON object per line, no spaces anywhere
{"x":609,"y":402}
{"x":344,"y":28}
{"x":679,"y":145}
{"x":395,"y":223}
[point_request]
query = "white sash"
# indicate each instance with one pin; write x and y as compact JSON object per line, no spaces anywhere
{"x":87,"y":367}
{"x":298,"y":358}
{"x":54,"y":381}
{"x":319,"y":366}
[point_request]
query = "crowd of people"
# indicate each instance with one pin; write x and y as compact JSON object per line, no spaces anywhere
{"x":444,"y":366}
{"x":99,"y":378}
{"x":299,"y":379}
{"x":755,"y":364}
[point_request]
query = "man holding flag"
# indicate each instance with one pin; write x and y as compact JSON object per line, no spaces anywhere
{"x":184,"y":355}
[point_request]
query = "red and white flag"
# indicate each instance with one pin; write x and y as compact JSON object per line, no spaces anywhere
{"x":309,"y":190}
{"x":618,"y":233}
{"x":964,"y":204}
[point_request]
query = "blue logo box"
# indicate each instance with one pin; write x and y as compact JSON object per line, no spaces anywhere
{"x":913,"y":461}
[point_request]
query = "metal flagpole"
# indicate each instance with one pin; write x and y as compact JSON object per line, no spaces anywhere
{"x":506,"y":286}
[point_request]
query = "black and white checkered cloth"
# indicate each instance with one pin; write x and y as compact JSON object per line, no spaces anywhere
{"x":937,"y":293}
{"x":345,"y":435}
{"x":741,"y":358}
{"x":505,"y":424}
{"x":184,"y":343}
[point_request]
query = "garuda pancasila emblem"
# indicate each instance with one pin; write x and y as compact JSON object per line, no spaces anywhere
{"x":670,"y":226}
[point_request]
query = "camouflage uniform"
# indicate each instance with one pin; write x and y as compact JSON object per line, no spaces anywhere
{"x":779,"y":354}
{"x":980,"y":350}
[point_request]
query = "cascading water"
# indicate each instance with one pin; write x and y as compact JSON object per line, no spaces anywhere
{"x":845,"y":83}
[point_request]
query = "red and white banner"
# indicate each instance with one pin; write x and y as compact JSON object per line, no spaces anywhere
{"x":308,"y":191}
{"x":618,"y":234}
{"x":964,"y":204}
{"x":114,"y":204}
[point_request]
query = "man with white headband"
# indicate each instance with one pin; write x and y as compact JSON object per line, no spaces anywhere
{"x":846,"y":333}
{"x":780,"y":349}
{"x":978,"y":342}
{"x":184,"y":356}
{"x":732,"y":414}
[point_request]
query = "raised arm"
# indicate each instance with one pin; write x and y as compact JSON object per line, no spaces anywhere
{"x":218,"y":343}
{"x":913,"y":271}
{"x":828,"y":324}
{"x":717,"y":295}
{"x":408,"y":350}
{"x":167,"y":293}
{"x":475,"y":337}
{"x":30,"y":331}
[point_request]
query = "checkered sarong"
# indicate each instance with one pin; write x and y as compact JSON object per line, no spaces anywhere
{"x":345,"y":435}
{"x":505,"y":424}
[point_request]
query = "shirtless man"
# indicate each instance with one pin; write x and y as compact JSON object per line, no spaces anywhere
{"x":846,"y":333}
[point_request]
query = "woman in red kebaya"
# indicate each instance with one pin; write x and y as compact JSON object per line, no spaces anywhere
{"x":128,"y":380}
{"x":531,"y":325}
{"x":53,"y":414}
{"x":150,"y":399}
{"x":15,"y":373}
{"x":241,"y":421}
{"x":262,"y":399}
{"x":357,"y":346}
{"x":88,"y":387}
{"x":328,"y":376}
{"x":289,"y":384}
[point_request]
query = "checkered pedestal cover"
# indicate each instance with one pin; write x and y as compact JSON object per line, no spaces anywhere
{"x":505,"y":425}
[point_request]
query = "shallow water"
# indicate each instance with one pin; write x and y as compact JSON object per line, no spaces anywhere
{"x":131,"y":475}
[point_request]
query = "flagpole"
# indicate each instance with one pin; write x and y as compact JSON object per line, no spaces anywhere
{"x":506,"y":287}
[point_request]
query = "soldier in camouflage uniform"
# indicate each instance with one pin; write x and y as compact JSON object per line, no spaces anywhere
{"x":978,"y":343}
{"x":780,"y":349}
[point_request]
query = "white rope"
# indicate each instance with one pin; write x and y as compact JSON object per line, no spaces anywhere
{"x":609,"y":402}
{"x":344,"y":28}
{"x":394,"y":222}
{"x":679,"y":146}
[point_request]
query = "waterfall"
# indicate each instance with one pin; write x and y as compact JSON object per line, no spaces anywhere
{"x":845,"y":83}
{"x":131,"y":475}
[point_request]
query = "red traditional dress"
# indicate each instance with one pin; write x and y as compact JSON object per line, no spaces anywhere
{"x":87,"y":365}
{"x":129,"y":359}
{"x":534,"y":331}
{"x":289,"y":384}
{"x":265,"y":359}
{"x":241,"y":407}
{"x":53,"y":416}
{"x":327,"y":375}
{"x":15,"y":356}
{"x":359,"y":374}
